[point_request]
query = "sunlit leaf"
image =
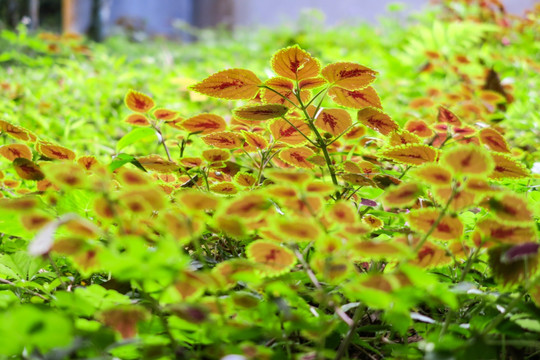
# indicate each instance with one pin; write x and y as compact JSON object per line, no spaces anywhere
{"x":373,"y":222}
{"x":204,"y":124}
{"x":224,"y":140}
{"x":333,"y":121}
{"x":273,"y":258}
{"x":448,"y":228}
{"x":509,"y":207}
{"x":355,"y":132}
{"x":433,"y":174}
{"x":165,"y":114}
{"x":88,"y":162}
{"x":356,"y":99}
{"x":504,"y":233}
{"x":214,"y":155}
{"x":358,"y":180}
{"x":233,"y":84}
{"x":333,"y":268}
{"x":17,"y":132}
{"x":343,"y":213}
{"x":135,"y":136}
{"x":295,"y":63}
{"x":311,"y":83}
{"x":260,"y":112}
{"x":370,"y":248}
{"x":462,"y":198}
{"x":13,"y":151}
{"x":348,"y":75}
{"x":403,"y":137}
{"x":282,"y":89}
{"x":507,"y":167}
{"x":138,"y":102}
{"x":226,"y":188}
{"x":53,"y":151}
{"x":403,"y":195}
{"x":468,"y":160}
{"x":248,"y":206}
{"x":288,"y":176}
{"x":299,"y":229}
{"x":131,"y":177}
{"x":28,"y":170}
{"x":419,"y":128}
{"x":137,"y":120}
{"x":431,"y":255}
{"x":231,"y":225}
{"x":288,"y":132}
{"x":65,"y":174}
{"x":448,"y":117}
{"x":297,"y":157}
{"x":255,"y":140}
{"x":245,"y":179}
{"x":20,"y":204}
{"x":412,"y":154}
{"x":377,"y":120}
{"x":157,"y":163}
{"x":493,"y":140}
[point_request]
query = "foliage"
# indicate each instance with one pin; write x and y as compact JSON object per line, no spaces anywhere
{"x":319,"y":214}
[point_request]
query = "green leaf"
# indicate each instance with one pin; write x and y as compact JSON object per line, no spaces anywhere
{"x":122,"y":159}
{"x":20,"y":265}
{"x":134,"y":136}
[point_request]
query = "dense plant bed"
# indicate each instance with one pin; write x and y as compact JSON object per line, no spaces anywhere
{"x":293,"y":209}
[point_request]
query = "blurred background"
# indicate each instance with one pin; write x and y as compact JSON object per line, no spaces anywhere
{"x":174,"y":18}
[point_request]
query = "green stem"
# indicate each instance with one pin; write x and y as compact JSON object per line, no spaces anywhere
{"x":358,"y":313}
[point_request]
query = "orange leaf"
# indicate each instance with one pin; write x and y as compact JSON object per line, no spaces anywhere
{"x":507,"y":167}
{"x":196,"y":200}
{"x":433,"y":174}
{"x":285,"y":88}
{"x":356,"y":99}
{"x":124,"y":319}
{"x":493,"y":140}
{"x":225,"y":187}
{"x":165,"y":114}
{"x":334,"y":121}
{"x":53,"y":151}
{"x":255,"y":140}
{"x":378,"y":248}
{"x":412,"y":154}
{"x":137,"y":120}
{"x":377,"y":120}
{"x":232,"y":84}
{"x":295,"y":63}
{"x":274,"y":259}
{"x":348,"y":75}
{"x":28,"y":170}
{"x":419,"y":128}
{"x":138,"y":102}
{"x":311,"y":83}
{"x":287,"y":175}
{"x":214,"y":155}
{"x":510,"y":207}
{"x":358,"y":180}
{"x":403,"y":137}
{"x":299,"y":229}
{"x":17,"y":132}
{"x":65,"y":174}
{"x":355,"y":133}
{"x":287,"y":132}
{"x":468,"y":160}
{"x":463,"y":198}
{"x":157,"y":163}
{"x":248,"y":206}
{"x":13,"y":151}
{"x":204,"y":124}
{"x":446,"y":116}
{"x":343,"y":213}
{"x":431,"y":255}
{"x":224,"y":140}
{"x":245,"y":179}
{"x":260,"y":112}
{"x":449,"y":228}
{"x":402,"y":195}
{"x":132,"y":177}
{"x":297,"y":157}
{"x":508,"y":234}
{"x":373,"y":222}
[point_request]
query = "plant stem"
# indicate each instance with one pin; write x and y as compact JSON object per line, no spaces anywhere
{"x":7,"y":282}
{"x":358,"y":313}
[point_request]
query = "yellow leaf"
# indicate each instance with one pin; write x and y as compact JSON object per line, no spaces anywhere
{"x":348,"y":75}
{"x":333,"y":121}
{"x":295,"y":63}
{"x":260,"y":112}
{"x":138,"y":102}
{"x":356,"y":99}
{"x":412,"y":154}
{"x":297,"y":157}
{"x":232,"y":84}
{"x":377,"y":120}
{"x":204,"y":124}
{"x":468,"y":160}
{"x":272,"y":258}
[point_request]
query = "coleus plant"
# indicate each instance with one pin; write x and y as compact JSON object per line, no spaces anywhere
{"x":309,"y":224}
